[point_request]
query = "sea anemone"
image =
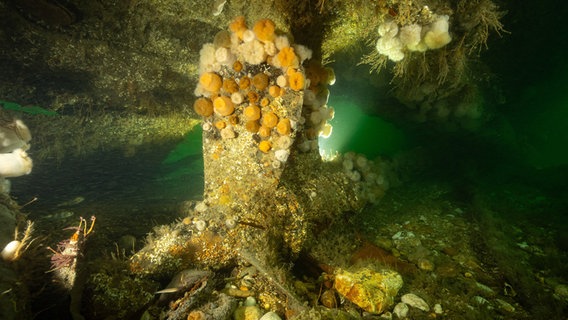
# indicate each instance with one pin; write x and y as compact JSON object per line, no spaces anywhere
{"x":248,"y":36}
{"x":274,"y":91}
{"x":237,"y":97}
{"x":238,"y":26}
{"x":287,"y":58}
{"x":281,"y":42}
{"x":252,"y":52}
{"x":203,"y":107}
{"x":207,"y":59}
{"x":244,"y":83}
{"x":264,"y":131}
{"x":15,"y":164}
{"x":224,"y":56}
{"x":304,"y":53}
{"x":220,"y":124}
{"x":264,"y":146}
{"x":282,"y":81}
{"x":228,"y":133}
{"x":284,"y":127}
{"x":264,"y":30}
{"x":237,"y":66}
{"x":223,"y":106}
{"x":252,"y":126}
{"x":270,"y":48}
{"x":230,"y":85}
{"x":252,"y":96}
{"x":410,"y":36}
{"x":252,"y":112}
{"x":297,"y":80}
{"x":269,"y":119}
{"x":211,"y":82}
{"x":260,"y":81}
{"x":222,"y":39}
{"x":264,"y":102}
{"x":437,"y":35}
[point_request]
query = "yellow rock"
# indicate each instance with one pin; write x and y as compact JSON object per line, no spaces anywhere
{"x":373,"y":291}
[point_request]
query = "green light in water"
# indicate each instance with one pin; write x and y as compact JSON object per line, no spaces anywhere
{"x":356,"y":131}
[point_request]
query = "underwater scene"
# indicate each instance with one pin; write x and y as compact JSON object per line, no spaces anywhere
{"x":283,"y":159}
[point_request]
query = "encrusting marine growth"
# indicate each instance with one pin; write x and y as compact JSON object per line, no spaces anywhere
{"x":266,"y":185}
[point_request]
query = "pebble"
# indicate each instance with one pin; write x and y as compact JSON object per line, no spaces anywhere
{"x":230,"y":223}
{"x":247,"y":313}
{"x":282,"y":155}
{"x":127,"y":242}
{"x":200,"y":207}
{"x":401,"y":310}
{"x":270,"y":316}
{"x":200,"y":225}
{"x":228,"y":133}
{"x":484,"y":290}
{"x":415,"y":301}
{"x":10,"y":250}
{"x":480,"y":301}
{"x":561,"y":291}
{"x":425,"y":264}
{"x":250,"y":301}
{"x":438,"y":309}
{"x":505,"y":306}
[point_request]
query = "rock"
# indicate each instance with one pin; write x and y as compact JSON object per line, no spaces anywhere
{"x":183,"y":281}
{"x":127,"y":242}
{"x":7,"y":225}
{"x":438,"y":309}
{"x":373,"y":291}
{"x":247,"y":313}
{"x":415,"y":301}
{"x":425,"y":264}
{"x":270,"y":316}
{"x":250,"y":301}
{"x":196,"y":315}
{"x":484,"y":290}
{"x":401,"y":310}
{"x":504,"y":305}
{"x":480,"y":301}
{"x":561,"y":291}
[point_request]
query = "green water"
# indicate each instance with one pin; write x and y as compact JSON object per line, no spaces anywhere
{"x":356,"y":131}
